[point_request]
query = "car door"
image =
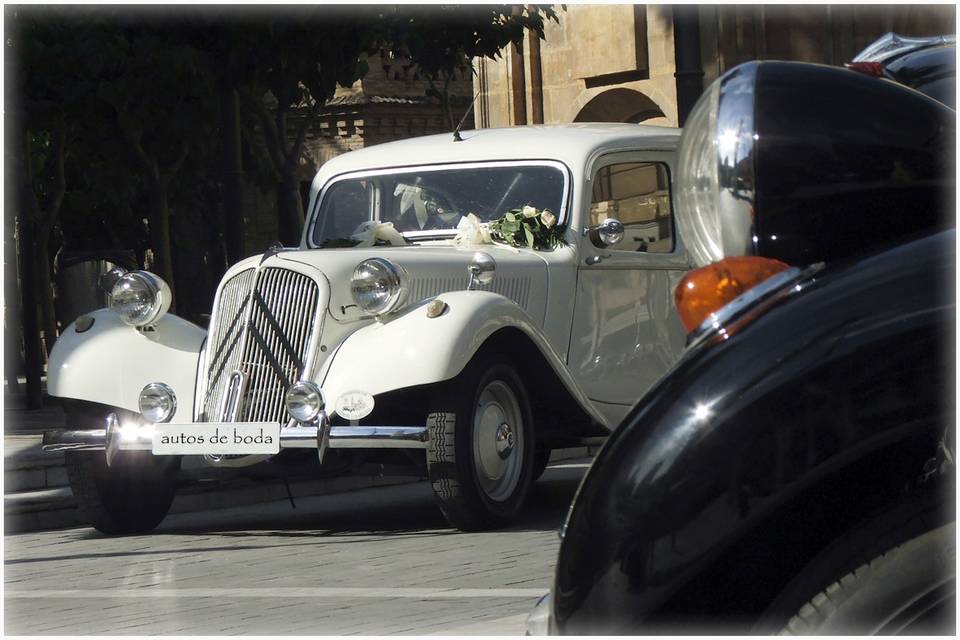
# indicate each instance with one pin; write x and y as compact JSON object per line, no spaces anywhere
{"x":625,"y":331}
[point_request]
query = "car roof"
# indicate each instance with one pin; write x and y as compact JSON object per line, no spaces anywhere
{"x":572,"y":144}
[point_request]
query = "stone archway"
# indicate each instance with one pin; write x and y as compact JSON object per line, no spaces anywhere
{"x":619,"y":105}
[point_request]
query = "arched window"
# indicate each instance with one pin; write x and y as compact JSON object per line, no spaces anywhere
{"x":619,"y":105}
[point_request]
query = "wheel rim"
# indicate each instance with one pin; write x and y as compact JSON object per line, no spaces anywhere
{"x":498,"y":442}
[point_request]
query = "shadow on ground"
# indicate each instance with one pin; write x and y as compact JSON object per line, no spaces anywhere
{"x":400,"y":510}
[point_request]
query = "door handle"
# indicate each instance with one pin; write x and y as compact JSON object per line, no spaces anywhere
{"x":592,"y":260}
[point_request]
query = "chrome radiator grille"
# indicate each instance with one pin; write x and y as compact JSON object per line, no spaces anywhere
{"x":263,"y":328}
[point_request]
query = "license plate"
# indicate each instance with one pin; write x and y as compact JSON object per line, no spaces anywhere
{"x":219,"y":438}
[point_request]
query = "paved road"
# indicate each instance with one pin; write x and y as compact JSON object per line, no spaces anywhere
{"x":371,"y":562}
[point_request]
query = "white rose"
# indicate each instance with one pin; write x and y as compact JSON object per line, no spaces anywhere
{"x":471,"y":231}
{"x":529,"y":211}
{"x":548,"y":219}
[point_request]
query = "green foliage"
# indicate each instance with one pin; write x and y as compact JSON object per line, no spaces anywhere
{"x":529,"y":227}
{"x":442,"y":39}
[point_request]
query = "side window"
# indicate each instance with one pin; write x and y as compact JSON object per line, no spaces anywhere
{"x":638,"y":195}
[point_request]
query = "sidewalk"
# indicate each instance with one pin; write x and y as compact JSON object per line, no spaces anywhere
{"x":37,"y":494}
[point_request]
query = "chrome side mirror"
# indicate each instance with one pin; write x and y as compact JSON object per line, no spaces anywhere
{"x":482,"y":267}
{"x":109,"y":278}
{"x":607,"y":233}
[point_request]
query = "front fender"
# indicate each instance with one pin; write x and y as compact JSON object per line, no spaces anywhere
{"x":111,"y":362}
{"x":411,"y":349}
{"x":741,"y":464}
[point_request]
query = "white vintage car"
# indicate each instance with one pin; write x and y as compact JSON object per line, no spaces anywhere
{"x":400,"y":326}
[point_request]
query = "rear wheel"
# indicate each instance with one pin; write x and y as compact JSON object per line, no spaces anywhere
{"x":481,"y":454}
{"x":132,"y":495}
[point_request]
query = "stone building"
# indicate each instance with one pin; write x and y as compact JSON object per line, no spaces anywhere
{"x":618,"y":63}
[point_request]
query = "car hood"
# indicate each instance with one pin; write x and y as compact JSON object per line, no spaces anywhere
{"x":521,"y":274}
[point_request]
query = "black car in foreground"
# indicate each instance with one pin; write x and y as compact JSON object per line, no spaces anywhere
{"x":795,"y":471}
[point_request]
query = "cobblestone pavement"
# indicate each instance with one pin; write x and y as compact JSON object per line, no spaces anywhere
{"x":369,"y":562}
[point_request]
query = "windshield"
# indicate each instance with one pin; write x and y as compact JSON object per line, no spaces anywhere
{"x":430,"y":201}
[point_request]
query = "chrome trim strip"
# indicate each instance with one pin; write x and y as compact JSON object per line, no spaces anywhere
{"x":344,"y":437}
{"x":140,"y":438}
{"x":75,"y":440}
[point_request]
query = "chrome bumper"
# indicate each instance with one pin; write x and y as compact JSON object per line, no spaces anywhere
{"x":319,"y":435}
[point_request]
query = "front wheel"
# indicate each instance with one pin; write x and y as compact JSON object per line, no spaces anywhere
{"x":481,"y":454}
{"x":132,"y":495}
{"x":893,"y":574}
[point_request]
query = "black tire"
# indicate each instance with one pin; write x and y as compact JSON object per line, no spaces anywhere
{"x":132,"y":495}
{"x":909,"y":590}
{"x":469,"y":498}
{"x":894,"y":573}
{"x":540,"y":461}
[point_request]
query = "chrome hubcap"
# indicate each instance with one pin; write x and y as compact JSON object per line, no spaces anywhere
{"x":504,"y":441}
{"x":498,"y":440}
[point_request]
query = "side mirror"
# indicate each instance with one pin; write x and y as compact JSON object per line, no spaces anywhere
{"x":607,"y":233}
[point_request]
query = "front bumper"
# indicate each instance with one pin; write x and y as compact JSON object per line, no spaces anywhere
{"x":319,"y":435}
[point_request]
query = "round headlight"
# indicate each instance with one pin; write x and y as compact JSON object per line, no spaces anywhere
{"x":304,"y":401}
{"x":158,"y":402}
{"x":715,"y":179}
{"x":377,"y":286}
{"x":140,"y":298}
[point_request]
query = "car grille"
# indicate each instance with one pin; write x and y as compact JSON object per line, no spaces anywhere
{"x":264,"y":321}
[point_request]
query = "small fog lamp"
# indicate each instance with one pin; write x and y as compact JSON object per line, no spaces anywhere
{"x":158,"y":402}
{"x":304,"y":401}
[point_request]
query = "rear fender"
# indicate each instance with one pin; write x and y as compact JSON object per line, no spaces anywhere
{"x":111,"y":362}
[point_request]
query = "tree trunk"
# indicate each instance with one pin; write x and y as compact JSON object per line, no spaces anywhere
{"x":290,"y":208}
{"x":232,"y":174}
{"x":31,"y":328}
{"x":12,"y":333}
{"x":160,"y":233}
{"x":33,"y":363}
{"x":48,"y":316}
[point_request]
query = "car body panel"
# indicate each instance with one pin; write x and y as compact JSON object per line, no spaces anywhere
{"x":412,"y":349}
{"x":803,"y":399}
{"x":111,"y":362}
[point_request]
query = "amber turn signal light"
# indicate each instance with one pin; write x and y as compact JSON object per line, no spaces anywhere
{"x":704,"y":291}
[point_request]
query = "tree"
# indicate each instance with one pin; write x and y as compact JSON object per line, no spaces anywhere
{"x":286,"y":65}
{"x":289,"y":65}
{"x":442,"y":40}
{"x":162,"y":95}
{"x":53,"y":87}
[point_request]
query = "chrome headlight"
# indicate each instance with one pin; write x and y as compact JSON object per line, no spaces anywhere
{"x":304,"y":401}
{"x":158,"y":402}
{"x":377,"y":286}
{"x":715,"y":193}
{"x":140,"y":298}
